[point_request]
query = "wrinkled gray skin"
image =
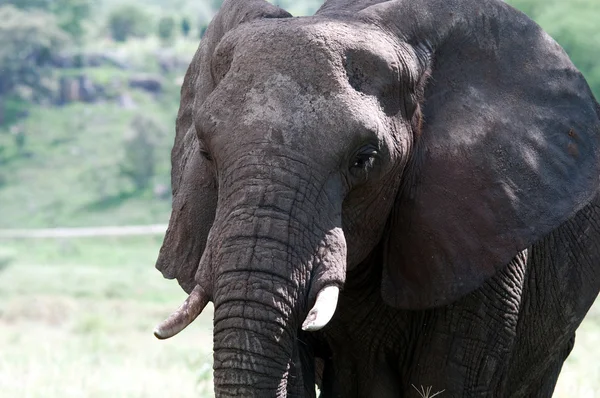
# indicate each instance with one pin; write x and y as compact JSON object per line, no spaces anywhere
{"x":438,"y":160}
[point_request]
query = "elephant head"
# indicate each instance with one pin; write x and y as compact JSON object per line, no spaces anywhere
{"x":441,"y":137}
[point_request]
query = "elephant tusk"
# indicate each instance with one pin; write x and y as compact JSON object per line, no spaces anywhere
{"x":183,"y":316}
{"x":323,"y":310}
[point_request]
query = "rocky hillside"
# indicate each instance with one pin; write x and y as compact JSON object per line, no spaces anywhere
{"x":94,"y":150}
{"x":89,"y":92}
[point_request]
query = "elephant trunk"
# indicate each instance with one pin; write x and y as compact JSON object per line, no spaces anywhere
{"x":254,"y":336}
{"x":255,"y":352}
{"x":275,"y":250}
{"x":273,"y":260}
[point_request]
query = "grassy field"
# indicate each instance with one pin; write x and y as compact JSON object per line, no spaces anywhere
{"x":76,"y":320}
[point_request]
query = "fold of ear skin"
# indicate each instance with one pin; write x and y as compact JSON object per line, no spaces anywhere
{"x":194,"y":190}
{"x":508,"y":149}
{"x":194,"y":205}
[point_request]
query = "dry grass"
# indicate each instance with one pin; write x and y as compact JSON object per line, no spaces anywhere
{"x":426,"y":392}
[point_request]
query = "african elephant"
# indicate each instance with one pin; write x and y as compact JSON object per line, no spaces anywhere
{"x":382,"y":196}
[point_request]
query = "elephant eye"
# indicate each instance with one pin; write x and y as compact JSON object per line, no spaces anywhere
{"x":364,"y":159}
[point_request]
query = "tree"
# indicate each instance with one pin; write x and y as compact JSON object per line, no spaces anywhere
{"x":574,"y":25}
{"x":185,"y":27}
{"x":128,"y":21}
{"x":25,"y":4}
{"x":139,"y":163}
{"x":70,"y":14}
{"x":27,"y":42}
{"x":166,"y":28}
{"x":202,"y":31}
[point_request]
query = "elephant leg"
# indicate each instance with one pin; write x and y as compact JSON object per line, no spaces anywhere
{"x":465,"y":349}
{"x":562,"y":282}
{"x":339,"y":378}
{"x":386,"y":383}
{"x":328,"y":387}
{"x":545,"y":388}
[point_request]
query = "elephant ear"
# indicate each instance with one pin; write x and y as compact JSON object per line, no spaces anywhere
{"x":506,"y":151}
{"x":194,"y":190}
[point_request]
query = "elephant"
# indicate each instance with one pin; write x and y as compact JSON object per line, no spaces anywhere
{"x":383,"y":197}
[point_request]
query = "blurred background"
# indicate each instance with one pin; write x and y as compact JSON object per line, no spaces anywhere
{"x":89,"y":91}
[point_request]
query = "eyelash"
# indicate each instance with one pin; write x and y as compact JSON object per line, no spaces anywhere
{"x":365,"y":159}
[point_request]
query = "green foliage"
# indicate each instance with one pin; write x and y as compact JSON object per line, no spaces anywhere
{"x":185,"y":27}
{"x":26,"y":3}
{"x":202,"y":30}
{"x":574,"y":25}
{"x":139,"y":164}
{"x":70,"y":14}
{"x":12,"y":108}
{"x":166,"y":28}
{"x":27,"y":41}
{"x":70,"y":172}
{"x":129,"y":21}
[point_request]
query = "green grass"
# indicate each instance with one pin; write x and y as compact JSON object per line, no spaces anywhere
{"x":71,"y":327}
{"x":68,"y":172}
{"x":76,"y":320}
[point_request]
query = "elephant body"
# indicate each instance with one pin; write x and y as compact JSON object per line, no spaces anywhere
{"x":506,"y":339}
{"x":384,"y":197}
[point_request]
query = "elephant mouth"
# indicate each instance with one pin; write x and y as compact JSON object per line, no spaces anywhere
{"x":311,"y":278}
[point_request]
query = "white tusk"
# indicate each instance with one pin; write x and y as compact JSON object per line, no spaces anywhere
{"x":323,"y":310}
{"x":183,"y":316}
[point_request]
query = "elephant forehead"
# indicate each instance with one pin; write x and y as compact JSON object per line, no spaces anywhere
{"x":281,"y":105}
{"x":279,"y":109}
{"x":288,"y":80}
{"x":311,"y":49}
